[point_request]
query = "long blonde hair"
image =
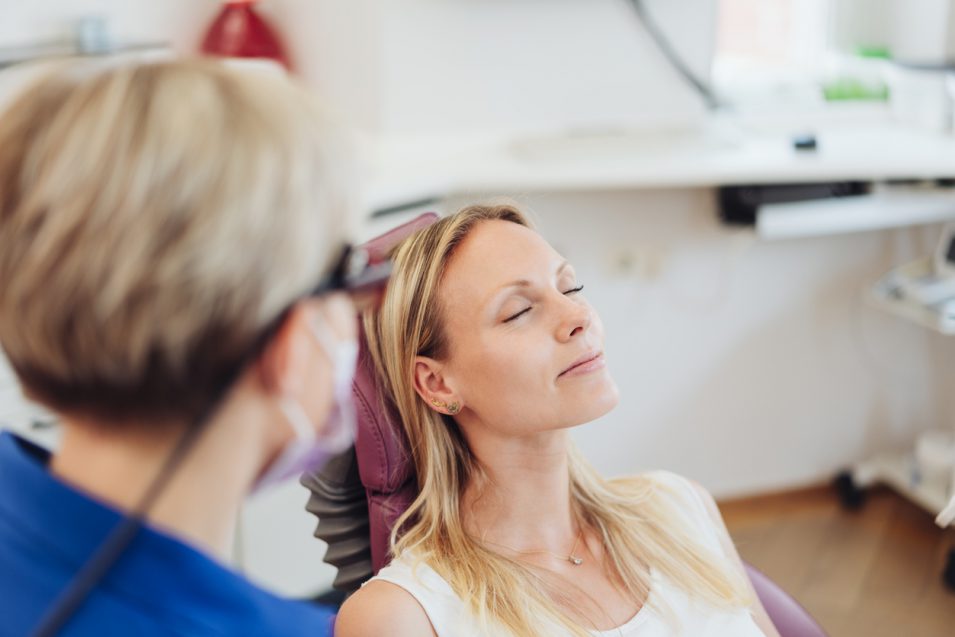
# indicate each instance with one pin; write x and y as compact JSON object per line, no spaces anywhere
{"x":634,"y":518}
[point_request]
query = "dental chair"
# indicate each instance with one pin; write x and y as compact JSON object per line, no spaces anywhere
{"x":359,"y":495}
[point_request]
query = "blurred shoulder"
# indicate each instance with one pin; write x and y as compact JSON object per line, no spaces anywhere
{"x":382,"y":608}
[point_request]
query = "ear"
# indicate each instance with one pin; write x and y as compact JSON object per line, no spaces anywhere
{"x":432,"y":384}
{"x":283,"y":365}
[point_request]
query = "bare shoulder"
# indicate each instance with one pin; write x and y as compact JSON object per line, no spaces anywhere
{"x":382,"y":608}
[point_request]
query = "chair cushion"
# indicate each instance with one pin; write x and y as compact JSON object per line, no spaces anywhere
{"x":384,"y":462}
{"x":788,"y":615}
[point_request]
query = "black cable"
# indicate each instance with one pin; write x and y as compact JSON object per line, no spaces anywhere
{"x":673,"y":57}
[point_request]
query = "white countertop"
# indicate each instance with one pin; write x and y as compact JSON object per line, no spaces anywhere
{"x":413,"y":168}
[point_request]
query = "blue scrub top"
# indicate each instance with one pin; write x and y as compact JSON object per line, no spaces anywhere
{"x":160,"y":586}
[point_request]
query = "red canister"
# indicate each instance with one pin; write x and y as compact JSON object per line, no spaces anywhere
{"x":240,"y":31}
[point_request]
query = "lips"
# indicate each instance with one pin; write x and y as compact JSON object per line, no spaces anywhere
{"x":583,"y":360}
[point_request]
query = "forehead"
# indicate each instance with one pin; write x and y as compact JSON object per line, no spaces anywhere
{"x":493,"y":254}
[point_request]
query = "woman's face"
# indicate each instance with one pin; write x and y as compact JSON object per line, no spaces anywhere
{"x":525,"y":348}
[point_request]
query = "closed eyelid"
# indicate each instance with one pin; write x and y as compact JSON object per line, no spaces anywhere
{"x":511,"y":315}
{"x":515,"y":303}
{"x":527,"y":289}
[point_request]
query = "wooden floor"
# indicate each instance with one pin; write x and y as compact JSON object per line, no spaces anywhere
{"x":872,"y":573}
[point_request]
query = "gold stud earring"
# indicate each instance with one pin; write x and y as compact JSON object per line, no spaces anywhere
{"x":453,"y":408}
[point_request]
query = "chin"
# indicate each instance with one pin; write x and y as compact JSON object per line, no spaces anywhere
{"x":597,"y":402}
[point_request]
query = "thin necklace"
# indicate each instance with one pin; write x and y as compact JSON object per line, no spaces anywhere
{"x":573,"y":558}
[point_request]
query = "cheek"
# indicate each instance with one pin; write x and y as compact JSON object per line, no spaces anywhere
{"x":598,"y":328}
{"x":596,"y":324}
{"x":340,"y":316}
{"x":318,"y":401}
{"x":504,"y":371}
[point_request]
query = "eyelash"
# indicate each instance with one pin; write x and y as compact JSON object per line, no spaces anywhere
{"x":575,"y":290}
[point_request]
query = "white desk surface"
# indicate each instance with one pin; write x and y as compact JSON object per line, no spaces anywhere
{"x":409,"y":169}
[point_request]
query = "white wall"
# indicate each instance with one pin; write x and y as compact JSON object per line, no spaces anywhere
{"x":447,"y":65}
{"x":178,"y":22}
{"x":414,"y":66}
{"x":748,"y":365}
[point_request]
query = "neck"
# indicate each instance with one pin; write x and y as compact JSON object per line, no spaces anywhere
{"x":523,"y":502}
{"x":201,"y":501}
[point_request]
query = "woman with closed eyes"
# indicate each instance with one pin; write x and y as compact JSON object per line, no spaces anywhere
{"x":489,"y":351}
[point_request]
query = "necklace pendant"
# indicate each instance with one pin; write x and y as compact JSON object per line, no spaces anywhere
{"x":576,"y":561}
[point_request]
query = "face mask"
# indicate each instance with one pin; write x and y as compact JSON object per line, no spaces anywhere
{"x":309,"y":450}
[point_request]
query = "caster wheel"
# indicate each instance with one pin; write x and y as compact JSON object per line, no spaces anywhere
{"x":851,"y":497}
{"x":948,"y":575}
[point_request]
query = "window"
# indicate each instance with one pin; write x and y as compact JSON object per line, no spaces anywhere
{"x":771,"y":47}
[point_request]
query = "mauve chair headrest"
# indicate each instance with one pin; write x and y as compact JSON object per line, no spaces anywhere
{"x":384,"y":462}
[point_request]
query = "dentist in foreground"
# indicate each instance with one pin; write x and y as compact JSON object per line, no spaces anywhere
{"x":175,"y":287}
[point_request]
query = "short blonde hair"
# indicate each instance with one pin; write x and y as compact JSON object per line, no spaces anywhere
{"x":154,"y":218}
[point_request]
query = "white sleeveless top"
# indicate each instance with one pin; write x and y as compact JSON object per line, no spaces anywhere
{"x":450,"y":617}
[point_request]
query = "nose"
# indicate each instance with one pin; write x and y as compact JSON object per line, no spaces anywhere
{"x":576,"y":317}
